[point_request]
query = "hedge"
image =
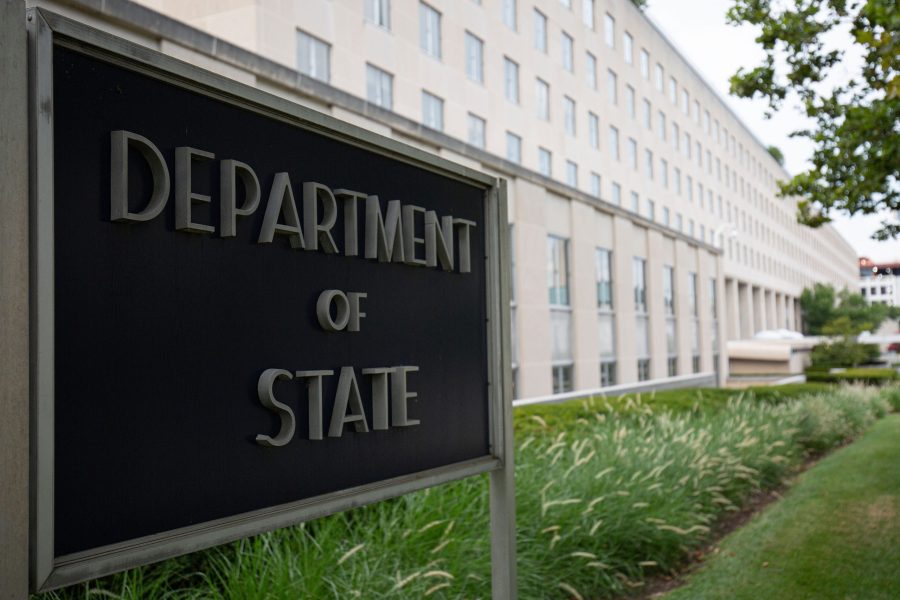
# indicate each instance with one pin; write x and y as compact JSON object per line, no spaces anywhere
{"x":865,"y":376}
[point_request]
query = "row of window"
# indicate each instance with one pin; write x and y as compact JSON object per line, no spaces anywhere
{"x":561,"y":316}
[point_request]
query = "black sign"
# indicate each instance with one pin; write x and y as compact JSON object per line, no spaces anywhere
{"x":201,"y":349}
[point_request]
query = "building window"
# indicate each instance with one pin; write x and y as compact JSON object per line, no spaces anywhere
{"x":614,"y":142}
{"x":560,"y":313}
{"x":639,"y":272}
{"x":545,"y":162}
{"x":587,"y":13}
{"x":590,"y":66}
{"x":609,"y":30}
{"x":659,"y":76}
{"x":511,"y":80}
{"x":628,"y":48}
{"x":661,"y":125}
{"x":378,"y":12}
{"x":476,"y":131}
{"x":606,"y":317}
{"x":432,"y":111}
{"x":571,"y":173}
{"x":693,"y":309}
{"x":313,"y":57}
{"x":635,"y":203}
{"x":645,"y":64}
{"x":542,"y":98}
{"x":607,"y":373}
{"x":616,"y":194}
{"x":629,"y":100}
{"x":675,"y":136}
{"x":648,"y":164}
{"x":474,"y":58}
{"x":651,"y":209}
{"x":513,"y":148}
{"x":540,"y":31}
{"x":569,"y":115}
{"x":647,"y":110}
{"x":509,"y":14}
{"x":379,"y":87}
{"x":669,"y":311}
{"x":595,"y":185}
{"x":429,"y":30}
{"x":612,"y":86}
{"x":632,"y":153}
{"x":664,"y":172}
{"x":714,"y":324}
{"x":673,"y":91}
{"x":665,"y":216}
{"x":568,"y":52}
{"x":594,"y":131}
{"x":558,"y":270}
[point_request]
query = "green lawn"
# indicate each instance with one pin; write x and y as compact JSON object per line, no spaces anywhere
{"x":836,"y":534}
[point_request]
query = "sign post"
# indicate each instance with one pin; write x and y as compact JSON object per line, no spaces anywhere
{"x":246,"y":314}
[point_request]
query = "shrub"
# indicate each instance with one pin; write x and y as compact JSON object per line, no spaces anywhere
{"x":864,"y":376}
{"x":843,"y":353}
{"x":892,"y":395}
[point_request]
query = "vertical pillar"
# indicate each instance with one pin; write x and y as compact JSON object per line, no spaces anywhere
{"x":779,"y":311}
{"x":789,"y":312}
{"x":747,"y":312}
{"x":759,"y":312}
{"x":732,"y":310}
{"x":14,"y":385}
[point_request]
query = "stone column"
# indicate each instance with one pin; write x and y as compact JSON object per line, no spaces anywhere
{"x":731,"y":310}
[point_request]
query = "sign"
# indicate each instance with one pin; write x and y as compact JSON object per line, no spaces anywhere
{"x":248,"y":314}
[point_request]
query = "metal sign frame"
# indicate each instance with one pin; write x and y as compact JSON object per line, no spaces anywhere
{"x":46,"y":30}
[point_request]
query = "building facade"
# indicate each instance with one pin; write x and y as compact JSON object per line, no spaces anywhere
{"x":879,"y":283}
{"x":645,"y":229}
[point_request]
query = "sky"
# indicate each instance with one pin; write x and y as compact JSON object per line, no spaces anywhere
{"x":717,"y":50}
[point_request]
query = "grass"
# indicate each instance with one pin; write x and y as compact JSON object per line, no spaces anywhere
{"x":608,"y":493}
{"x":835,"y":535}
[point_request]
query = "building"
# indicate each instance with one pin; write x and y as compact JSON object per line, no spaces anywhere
{"x":645,"y":228}
{"x":879,"y":282}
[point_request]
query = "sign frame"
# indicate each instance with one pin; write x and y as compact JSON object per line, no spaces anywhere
{"x":47,"y":571}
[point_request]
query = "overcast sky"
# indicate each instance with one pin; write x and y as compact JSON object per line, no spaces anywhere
{"x":717,"y":50}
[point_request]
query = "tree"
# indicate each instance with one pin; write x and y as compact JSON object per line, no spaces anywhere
{"x":854,"y":132}
{"x":777,"y":154}
{"x":818,"y":306}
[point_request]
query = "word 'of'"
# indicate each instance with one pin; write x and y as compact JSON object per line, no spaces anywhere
{"x":389,"y":236}
{"x":348,"y":406}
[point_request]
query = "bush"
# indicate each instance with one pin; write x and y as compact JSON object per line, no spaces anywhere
{"x":892,"y":395}
{"x":844,"y":353}
{"x":864,"y":376}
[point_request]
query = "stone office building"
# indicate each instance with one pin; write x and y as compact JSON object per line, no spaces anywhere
{"x":645,"y":229}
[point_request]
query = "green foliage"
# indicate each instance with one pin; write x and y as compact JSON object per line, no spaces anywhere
{"x":843,"y":352}
{"x":777,"y":154}
{"x":851,"y":169}
{"x":604,"y":500}
{"x":641,"y":4}
{"x":891,"y":394}
{"x":841,"y":313}
{"x":864,"y":376}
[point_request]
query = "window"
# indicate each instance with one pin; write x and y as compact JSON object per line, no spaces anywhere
{"x":664,"y":172}
{"x":587,"y":13}
{"x":571,"y":174}
{"x":313,"y":57}
{"x":562,"y":379}
{"x":651,"y":209}
{"x":568,"y":52}
{"x":629,"y":100}
{"x":665,"y":216}
{"x":611,"y":86}
{"x":673,"y":91}
{"x":635,"y":203}
{"x":513,"y":148}
{"x":594,"y":130}
{"x":660,"y":77}
{"x":695,"y":322}
{"x":379,"y":87}
{"x":558,"y":270}
{"x":647,"y":109}
{"x":632,"y":153}
{"x":378,"y":12}
{"x":432,"y":111}
{"x":540,"y":31}
{"x":606,"y":318}
{"x":595,"y":184}
{"x":614,"y":142}
{"x":542,"y":99}
{"x":648,"y":164}
{"x":687,"y":144}
{"x":679,"y":222}
{"x":642,"y":330}
{"x":476,"y":131}
{"x":677,"y":172}
{"x":474,"y":58}
{"x":545,"y":162}
{"x":616,"y":194}
{"x":714,"y":323}
{"x":590,"y":67}
{"x":511,"y":80}
{"x":645,"y":64}
{"x":429,"y":30}
{"x":706,"y":125}
{"x":569,"y":115}
{"x":669,"y":310}
{"x":689,"y":185}
{"x":609,"y":30}
{"x":509,"y":14}
{"x":661,"y":125}
{"x":628,"y":48}
{"x":676,"y":136}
